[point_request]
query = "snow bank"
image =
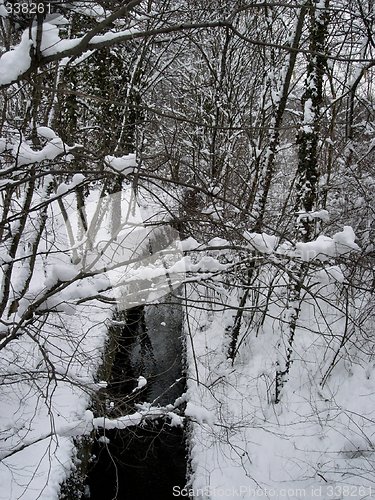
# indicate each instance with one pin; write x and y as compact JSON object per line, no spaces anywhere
{"x":42,"y":413}
{"x":317,"y":441}
{"x":37,"y":471}
{"x":47,"y":375}
{"x":199,"y":413}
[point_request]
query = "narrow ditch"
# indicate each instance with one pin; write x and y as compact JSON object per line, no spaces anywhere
{"x":150,"y":460}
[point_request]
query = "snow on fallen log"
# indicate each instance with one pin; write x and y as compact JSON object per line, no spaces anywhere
{"x":145,"y":413}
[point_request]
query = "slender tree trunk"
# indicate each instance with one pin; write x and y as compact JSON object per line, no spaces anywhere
{"x":309,"y":134}
{"x":268,"y":165}
{"x":307,"y":182}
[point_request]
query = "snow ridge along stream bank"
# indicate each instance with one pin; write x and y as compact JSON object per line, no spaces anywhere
{"x":316,"y":443}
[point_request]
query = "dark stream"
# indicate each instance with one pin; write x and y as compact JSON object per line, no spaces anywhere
{"x":143,"y":462}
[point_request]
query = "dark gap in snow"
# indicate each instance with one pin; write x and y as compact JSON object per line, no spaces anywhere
{"x":149,"y":460}
{"x":124,"y":373}
{"x":139,"y":463}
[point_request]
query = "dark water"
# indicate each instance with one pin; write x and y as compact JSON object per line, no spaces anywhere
{"x":139,"y":464}
{"x":143,"y":462}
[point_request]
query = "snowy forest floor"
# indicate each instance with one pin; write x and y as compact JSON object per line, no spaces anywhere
{"x":42,"y":410}
{"x":316,"y":442}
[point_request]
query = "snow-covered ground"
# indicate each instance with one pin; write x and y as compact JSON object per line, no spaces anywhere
{"x":48,"y":374}
{"x":317,"y":442}
{"x":47,"y":381}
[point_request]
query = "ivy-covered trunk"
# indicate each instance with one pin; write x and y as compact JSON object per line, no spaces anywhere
{"x":307,"y":184}
{"x":309,"y":132}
